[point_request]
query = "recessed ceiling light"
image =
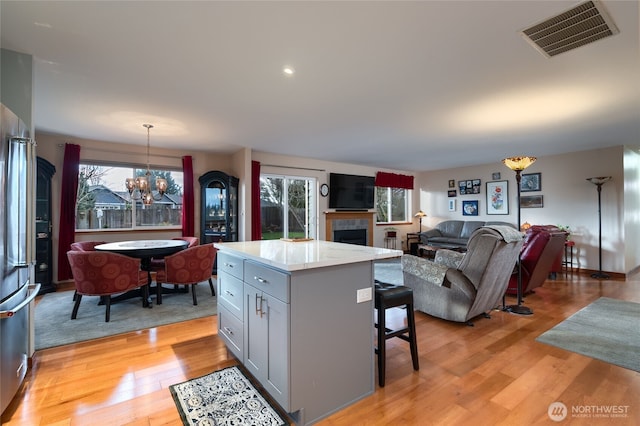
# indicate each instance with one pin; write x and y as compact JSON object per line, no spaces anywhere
{"x":288,"y":70}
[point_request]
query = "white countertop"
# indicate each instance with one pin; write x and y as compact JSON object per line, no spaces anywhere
{"x":294,"y":256}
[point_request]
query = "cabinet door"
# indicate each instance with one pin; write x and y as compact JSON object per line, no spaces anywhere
{"x":43,"y":227}
{"x":255,"y":321}
{"x":215,"y":214}
{"x":233,"y":209}
{"x":219,"y":207}
{"x":267,"y":342}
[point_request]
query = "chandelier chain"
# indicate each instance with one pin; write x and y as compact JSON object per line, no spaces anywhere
{"x":140,"y":188}
{"x":149,"y":127}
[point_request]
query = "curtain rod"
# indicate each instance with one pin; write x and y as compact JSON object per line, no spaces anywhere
{"x":89,"y":148}
{"x":291,"y":167}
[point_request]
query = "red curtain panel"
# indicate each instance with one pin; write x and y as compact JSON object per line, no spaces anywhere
{"x":70,"y":169}
{"x":188,"y":227}
{"x":393,"y":180}
{"x":256,"y":223}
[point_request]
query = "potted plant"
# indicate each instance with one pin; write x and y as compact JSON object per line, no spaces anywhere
{"x":567,"y":229}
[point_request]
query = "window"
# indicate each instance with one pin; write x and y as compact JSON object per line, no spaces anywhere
{"x":392,"y":204}
{"x":104,"y":203}
{"x":288,"y":207}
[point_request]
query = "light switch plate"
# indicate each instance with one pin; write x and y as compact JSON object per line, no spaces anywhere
{"x":363,"y":295}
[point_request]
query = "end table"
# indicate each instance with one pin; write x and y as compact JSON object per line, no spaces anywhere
{"x":413,"y":239}
{"x":567,"y":262}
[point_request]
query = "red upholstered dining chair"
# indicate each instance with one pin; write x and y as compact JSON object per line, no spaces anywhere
{"x":187,"y":267}
{"x":98,"y":273}
{"x":193,"y":241}
{"x":158,"y":264}
{"x":84,"y":246}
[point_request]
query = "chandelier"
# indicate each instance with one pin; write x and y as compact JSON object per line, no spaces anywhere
{"x":140,"y":187}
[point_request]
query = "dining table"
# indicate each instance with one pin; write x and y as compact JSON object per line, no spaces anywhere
{"x":145,"y":250}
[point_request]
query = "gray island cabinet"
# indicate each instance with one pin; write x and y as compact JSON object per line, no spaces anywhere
{"x":299,"y":317}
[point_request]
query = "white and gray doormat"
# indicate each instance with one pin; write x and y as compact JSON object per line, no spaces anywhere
{"x":224,"y":397}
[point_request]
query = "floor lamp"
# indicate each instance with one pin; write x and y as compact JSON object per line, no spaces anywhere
{"x":598,"y":182}
{"x":420,"y":215}
{"x":518,"y":164}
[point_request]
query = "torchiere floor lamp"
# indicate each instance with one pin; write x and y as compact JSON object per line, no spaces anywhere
{"x":599,"y":181}
{"x":518,"y":164}
{"x":420,"y":215}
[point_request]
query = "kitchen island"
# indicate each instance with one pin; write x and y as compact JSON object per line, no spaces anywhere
{"x":299,"y":317}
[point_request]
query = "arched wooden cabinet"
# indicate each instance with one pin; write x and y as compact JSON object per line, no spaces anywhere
{"x":44,"y":227}
{"x":218,"y":207}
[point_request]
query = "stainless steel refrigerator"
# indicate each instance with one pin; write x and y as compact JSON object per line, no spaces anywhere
{"x":16,"y":265}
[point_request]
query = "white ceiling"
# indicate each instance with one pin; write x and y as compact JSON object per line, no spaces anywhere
{"x":402,"y":85}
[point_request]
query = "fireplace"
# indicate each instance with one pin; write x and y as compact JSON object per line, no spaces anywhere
{"x":351,"y":236}
{"x":359,"y":227}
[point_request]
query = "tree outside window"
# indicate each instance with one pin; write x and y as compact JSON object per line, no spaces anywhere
{"x":392,"y":205}
{"x":287,"y":206}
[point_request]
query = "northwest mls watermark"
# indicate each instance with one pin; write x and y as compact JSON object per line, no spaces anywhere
{"x":557,"y":411}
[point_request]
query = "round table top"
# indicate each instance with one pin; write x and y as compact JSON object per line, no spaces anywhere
{"x":144,"y":248}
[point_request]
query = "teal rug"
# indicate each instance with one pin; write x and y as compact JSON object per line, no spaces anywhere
{"x":54,"y":326}
{"x":388,"y":271}
{"x":607,"y":330}
{"x":224,"y":397}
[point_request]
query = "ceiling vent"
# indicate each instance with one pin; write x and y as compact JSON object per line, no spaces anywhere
{"x":576,"y":27}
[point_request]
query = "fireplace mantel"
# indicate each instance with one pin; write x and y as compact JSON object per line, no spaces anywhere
{"x":332,"y":216}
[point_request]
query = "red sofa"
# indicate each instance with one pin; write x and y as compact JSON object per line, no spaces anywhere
{"x":541,"y":254}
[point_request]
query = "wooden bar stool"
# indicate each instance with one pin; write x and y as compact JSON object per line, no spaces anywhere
{"x":392,"y":296}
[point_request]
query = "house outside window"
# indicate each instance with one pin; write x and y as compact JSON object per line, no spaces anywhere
{"x":392,"y":205}
{"x":103,"y":203}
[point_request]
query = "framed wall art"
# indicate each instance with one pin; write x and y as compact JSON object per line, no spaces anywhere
{"x":451,"y":193}
{"x":470,"y":208}
{"x":452,"y":183}
{"x":452,"y":205}
{"x":462,"y":187}
{"x":475,"y":186}
{"x":531,"y":201}
{"x":530,"y":182}
{"x":469,"y":186}
{"x":498,"y":197}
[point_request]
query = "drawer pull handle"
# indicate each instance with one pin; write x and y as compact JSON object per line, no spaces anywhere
{"x":228,"y":265}
{"x":260,"y":280}
{"x":228,"y":293}
{"x":228,"y":330}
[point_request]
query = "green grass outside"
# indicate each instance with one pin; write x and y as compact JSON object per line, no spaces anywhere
{"x":270,"y":235}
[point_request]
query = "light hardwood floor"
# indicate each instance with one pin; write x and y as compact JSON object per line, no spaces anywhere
{"x":494,"y":373}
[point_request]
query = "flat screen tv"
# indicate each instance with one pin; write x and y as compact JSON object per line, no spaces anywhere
{"x":351,"y":192}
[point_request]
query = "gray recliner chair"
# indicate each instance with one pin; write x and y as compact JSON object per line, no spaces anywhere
{"x":459,"y":287}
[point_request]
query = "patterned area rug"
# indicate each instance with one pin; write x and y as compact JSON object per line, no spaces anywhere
{"x":224,"y":397}
{"x":54,"y":326}
{"x":607,"y":330}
